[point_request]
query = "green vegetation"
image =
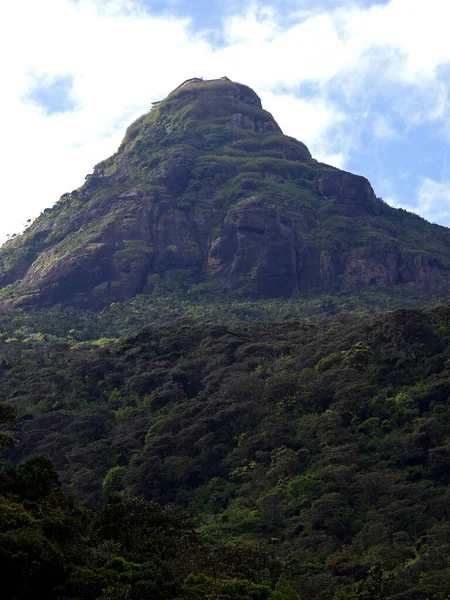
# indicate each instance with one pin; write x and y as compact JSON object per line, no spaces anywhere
{"x":207,"y":302}
{"x":323,"y":446}
{"x":130,"y":550}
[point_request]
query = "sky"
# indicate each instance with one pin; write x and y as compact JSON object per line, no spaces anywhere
{"x":364,"y":83}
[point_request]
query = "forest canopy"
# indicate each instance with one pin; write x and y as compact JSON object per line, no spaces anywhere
{"x":312,"y":457}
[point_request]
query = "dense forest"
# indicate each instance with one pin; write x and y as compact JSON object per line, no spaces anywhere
{"x":131,"y":549}
{"x":299,"y":459}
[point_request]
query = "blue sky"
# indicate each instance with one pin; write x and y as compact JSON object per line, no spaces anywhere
{"x":364,"y":83}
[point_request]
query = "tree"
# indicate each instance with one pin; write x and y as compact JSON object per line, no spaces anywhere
{"x":375,"y":586}
{"x":7,"y":414}
{"x":37,"y":478}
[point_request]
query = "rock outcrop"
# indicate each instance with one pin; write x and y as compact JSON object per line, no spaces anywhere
{"x":206,"y":187}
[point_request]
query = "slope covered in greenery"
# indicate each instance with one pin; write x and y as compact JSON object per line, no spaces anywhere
{"x":326,"y":443}
{"x":131,"y":550}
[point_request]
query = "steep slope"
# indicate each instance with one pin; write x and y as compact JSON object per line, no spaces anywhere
{"x":205,"y":187}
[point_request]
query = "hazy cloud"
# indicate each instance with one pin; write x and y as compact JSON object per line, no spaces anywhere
{"x":52,"y":95}
{"x":434,"y":200}
{"x":383,"y":129}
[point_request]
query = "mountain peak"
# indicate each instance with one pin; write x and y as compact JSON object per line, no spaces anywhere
{"x":206,"y":188}
{"x":198,"y":107}
{"x":223,"y":86}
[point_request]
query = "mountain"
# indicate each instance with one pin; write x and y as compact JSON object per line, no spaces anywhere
{"x":288,"y":459}
{"x":206,"y":190}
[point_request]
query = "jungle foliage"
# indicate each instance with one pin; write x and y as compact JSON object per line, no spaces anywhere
{"x":320,"y":446}
{"x":130,"y":550}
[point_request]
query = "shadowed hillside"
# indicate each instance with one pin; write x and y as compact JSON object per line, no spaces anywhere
{"x":327,"y":443}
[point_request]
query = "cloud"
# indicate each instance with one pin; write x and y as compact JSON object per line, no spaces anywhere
{"x":308,"y":120}
{"x":52,"y":95}
{"x":383,"y":129}
{"x":434,"y":200}
{"x":118,"y":60}
{"x":371,"y":71}
{"x":415,"y":29}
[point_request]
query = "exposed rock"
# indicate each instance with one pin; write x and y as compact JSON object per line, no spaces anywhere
{"x":355,"y":190}
{"x":262,"y":243}
{"x":240,"y":121}
{"x":205,"y":186}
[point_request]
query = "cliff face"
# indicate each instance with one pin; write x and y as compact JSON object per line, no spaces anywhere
{"x":206,"y":187}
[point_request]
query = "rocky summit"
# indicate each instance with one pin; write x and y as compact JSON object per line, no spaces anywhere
{"x":206,"y":188}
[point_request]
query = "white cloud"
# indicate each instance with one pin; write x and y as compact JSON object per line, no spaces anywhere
{"x":309,"y":120}
{"x":416,"y":29}
{"x":434,"y":200}
{"x":122,"y":58}
{"x":383,"y":129}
